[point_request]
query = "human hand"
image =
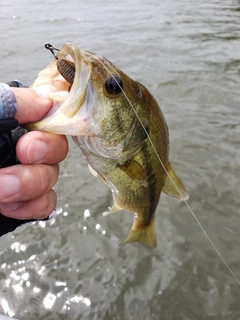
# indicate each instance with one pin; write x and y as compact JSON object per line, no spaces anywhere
{"x":26,"y":189}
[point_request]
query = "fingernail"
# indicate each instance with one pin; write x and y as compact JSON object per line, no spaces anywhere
{"x":37,"y":150}
{"x":9,"y":186}
{"x":8,"y":207}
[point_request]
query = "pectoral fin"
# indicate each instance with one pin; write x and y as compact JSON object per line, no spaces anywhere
{"x":173,"y":186}
{"x":135,"y":171}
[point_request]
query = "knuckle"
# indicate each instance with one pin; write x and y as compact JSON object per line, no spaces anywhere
{"x":64,"y":148}
{"x":59,"y":148}
{"x":46,"y":204}
{"x":47,"y":177}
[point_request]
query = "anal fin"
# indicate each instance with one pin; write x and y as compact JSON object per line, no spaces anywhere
{"x":113,"y":209}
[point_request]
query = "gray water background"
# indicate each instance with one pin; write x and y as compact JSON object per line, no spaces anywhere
{"x":187,"y":53}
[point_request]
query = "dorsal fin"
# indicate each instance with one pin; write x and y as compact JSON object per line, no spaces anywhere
{"x":173,"y":186}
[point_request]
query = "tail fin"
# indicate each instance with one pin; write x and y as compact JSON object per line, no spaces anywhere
{"x":145,"y":235}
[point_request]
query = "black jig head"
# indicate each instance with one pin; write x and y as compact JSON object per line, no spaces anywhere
{"x":65,"y":67}
{"x":51,"y":48}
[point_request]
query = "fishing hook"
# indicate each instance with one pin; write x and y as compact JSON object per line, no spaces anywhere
{"x":51,"y":48}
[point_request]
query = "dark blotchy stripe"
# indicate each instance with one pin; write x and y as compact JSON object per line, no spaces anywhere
{"x":152,"y":182}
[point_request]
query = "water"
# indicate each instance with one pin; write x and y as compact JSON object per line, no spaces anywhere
{"x":187,"y":54}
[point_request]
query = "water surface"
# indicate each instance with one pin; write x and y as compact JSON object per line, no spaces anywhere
{"x":187,"y":54}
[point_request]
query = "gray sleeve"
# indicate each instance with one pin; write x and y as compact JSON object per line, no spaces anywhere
{"x":8,"y":104}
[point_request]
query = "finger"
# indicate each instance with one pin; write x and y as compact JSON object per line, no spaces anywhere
{"x":39,"y":147}
{"x":33,"y":104}
{"x":26,"y":182}
{"x":37,"y":209}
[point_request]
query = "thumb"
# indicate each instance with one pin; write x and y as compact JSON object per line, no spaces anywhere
{"x":33,"y":104}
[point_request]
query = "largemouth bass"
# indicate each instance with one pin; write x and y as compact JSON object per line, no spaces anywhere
{"x":120,"y":129}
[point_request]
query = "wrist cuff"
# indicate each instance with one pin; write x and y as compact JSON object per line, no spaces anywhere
{"x":8,"y":104}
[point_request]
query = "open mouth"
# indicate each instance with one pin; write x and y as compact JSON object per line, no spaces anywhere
{"x":70,"y":73}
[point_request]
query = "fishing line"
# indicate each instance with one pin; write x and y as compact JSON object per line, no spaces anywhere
{"x":186,"y":203}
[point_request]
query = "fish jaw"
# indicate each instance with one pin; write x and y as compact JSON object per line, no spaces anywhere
{"x":72,"y":108}
{"x":55,"y":121}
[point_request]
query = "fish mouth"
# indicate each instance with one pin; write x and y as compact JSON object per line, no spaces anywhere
{"x":70,"y":73}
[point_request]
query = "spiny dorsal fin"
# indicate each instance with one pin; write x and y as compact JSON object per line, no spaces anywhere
{"x":171,"y":182}
{"x":135,"y":171}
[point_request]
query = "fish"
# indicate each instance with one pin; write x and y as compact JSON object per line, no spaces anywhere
{"x":120,"y":129}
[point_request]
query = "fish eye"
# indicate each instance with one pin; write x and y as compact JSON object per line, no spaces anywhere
{"x":114,"y":85}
